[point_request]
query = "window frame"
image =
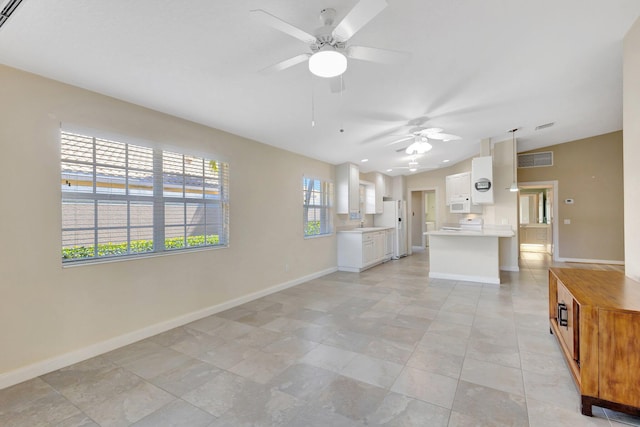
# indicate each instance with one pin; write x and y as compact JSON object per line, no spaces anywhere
{"x":326,"y":195}
{"x":213,"y":198}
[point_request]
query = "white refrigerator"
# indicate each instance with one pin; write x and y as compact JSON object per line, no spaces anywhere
{"x":395,"y":215}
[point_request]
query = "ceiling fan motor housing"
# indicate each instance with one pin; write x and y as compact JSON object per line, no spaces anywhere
{"x":324,"y":34}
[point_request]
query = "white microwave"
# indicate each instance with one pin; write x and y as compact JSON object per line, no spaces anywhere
{"x":464,"y":205}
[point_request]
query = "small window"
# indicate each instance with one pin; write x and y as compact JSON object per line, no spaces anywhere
{"x":120,"y":199}
{"x":317,"y":207}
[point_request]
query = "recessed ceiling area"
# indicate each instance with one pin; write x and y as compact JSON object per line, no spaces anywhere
{"x":475,"y":69}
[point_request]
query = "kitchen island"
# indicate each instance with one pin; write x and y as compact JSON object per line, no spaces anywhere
{"x":466,"y":255}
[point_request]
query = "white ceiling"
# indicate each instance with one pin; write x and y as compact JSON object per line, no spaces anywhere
{"x":477,"y":68}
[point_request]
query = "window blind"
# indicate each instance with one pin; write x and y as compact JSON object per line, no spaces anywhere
{"x":121,"y":199}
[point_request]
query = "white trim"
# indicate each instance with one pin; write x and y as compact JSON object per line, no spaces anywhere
{"x":465,"y":278}
{"x":591,"y":261}
{"x":409,"y":227}
{"x":42,"y":367}
{"x":555,"y":229}
{"x":513,"y":268}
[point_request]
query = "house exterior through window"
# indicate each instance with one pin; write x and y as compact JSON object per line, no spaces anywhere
{"x":317,"y":207}
{"x":121,"y":199}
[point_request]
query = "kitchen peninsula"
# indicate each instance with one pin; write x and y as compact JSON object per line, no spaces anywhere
{"x":467,"y":255}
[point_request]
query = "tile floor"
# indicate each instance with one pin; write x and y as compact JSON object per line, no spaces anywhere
{"x":387,"y":347}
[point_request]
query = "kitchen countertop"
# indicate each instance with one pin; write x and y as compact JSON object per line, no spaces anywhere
{"x":363,"y":229}
{"x":485,"y":232}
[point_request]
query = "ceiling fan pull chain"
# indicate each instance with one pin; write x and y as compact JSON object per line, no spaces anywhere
{"x":313,"y":108}
{"x":341,"y":104}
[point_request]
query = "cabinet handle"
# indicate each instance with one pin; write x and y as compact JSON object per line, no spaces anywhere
{"x":563,"y":315}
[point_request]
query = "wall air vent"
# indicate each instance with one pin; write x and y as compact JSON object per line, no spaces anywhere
{"x":7,"y":7}
{"x":535,"y":160}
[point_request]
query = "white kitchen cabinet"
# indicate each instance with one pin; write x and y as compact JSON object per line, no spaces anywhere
{"x":376,"y":191}
{"x":458,"y":186}
{"x":379,"y":186}
{"x":348,"y":190}
{"x":358,"y":251}
{"x":368,"y":191}
{"x":388,"y":186}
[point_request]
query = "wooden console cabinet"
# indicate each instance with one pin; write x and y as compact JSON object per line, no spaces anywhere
{"x":595,"y":316}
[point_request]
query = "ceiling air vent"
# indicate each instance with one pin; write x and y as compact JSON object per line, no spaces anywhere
{"x":7,"y":7}
{"x":544,"y":126}
{"x":535,"y":160}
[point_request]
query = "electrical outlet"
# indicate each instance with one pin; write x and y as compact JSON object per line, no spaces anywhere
{"x":286,"y":268}
{"x":567,"y":221}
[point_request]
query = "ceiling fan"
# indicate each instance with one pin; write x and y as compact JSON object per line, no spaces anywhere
{"x":420,"y":134}
{"x":421,"y":138}
{"x":328,"y":45}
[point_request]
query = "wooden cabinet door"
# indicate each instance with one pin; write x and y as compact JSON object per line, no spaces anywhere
{"x":567,"y":332}
{"x":619,"y":357}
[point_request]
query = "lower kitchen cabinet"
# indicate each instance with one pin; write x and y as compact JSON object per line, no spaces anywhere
{"x":595,"y":316}
{"x":358,"y":251}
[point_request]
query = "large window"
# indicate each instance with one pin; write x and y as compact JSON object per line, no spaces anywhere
{"x":317,"y":207}
{"x":120,"y":199}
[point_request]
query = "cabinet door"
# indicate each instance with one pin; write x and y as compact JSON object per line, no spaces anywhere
{"x":347,"y":189}
{"x":619,"y":357}
{"x":379,"y":245}
{"x":463,"y":185}
{"x":368,"y":252}
{"x":388,"y":186}
{"x":449,"y":184}
{"x":354,"y":189}
{"x":566,"y":310}
{"x":379,"y":188}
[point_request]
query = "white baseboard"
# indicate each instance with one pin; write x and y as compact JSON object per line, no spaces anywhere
{"x":465,"y":278}
{"x":34,"y":370}
{"x":513,"y":268}
{"x":591,"y":261}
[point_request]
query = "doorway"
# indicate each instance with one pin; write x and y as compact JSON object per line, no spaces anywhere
{"x":423,"y":209}
{"x":537,"y":210}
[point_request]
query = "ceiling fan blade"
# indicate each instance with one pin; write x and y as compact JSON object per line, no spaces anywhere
{"x":363,"y":12}
{"x":442,"y":136}
{"x":373,"y":54}
{"x":429,"y":131}
{"x":280,"y":25}
{"x":400,"y":140}
{"x":283,"y":65}
{"x":337,"y":84}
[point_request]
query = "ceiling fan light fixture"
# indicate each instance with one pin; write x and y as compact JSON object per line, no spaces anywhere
{"x":327,"y":62}
{"x":419,"y":147}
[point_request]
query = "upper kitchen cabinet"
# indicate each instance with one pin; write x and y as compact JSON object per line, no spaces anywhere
{"x":458,"y":186}
{"x":348,"y":190}
{"x":376,"y":191}
{"x":388,"y":186}
{"x":482,"y":180}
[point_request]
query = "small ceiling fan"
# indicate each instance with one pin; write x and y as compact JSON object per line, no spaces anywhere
{"x":328,"y":45}
{"x":423,"y":134}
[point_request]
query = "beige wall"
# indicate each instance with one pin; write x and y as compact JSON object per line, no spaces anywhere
{"x":590,"y":172}
{"x":47,"y":311}
{"x":631,"y":121}
{"x":502,"y":212}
